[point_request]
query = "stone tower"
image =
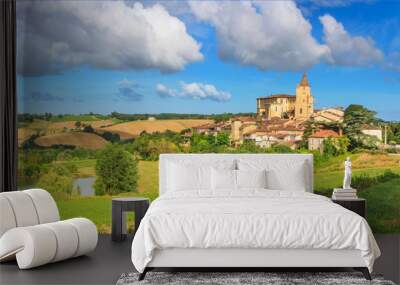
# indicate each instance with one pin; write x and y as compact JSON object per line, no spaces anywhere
{"x":304,"y":106}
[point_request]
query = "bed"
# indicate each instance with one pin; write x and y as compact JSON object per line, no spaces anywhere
{"x":247,"y":210}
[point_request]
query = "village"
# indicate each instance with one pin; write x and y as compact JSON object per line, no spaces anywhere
{"x":283,"y":119}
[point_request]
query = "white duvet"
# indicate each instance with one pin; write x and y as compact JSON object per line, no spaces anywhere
{"x":250,"y":219}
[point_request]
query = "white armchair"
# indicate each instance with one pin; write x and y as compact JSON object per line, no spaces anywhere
{"x":31,"y":230}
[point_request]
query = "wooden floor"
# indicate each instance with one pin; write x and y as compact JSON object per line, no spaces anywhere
{"x":110,"y":260}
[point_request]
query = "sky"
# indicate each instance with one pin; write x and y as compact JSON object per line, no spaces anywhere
{"x":205,"y":56}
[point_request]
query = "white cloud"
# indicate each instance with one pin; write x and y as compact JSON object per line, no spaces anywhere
{"x":346,"y":49}
{"x":55,"y":35}
{"x":271,"y":35}
{"x":194,"y":90}
{"x":164,"y":91}
{"x":274,"y":35}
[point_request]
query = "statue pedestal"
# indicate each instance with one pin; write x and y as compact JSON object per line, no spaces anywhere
{"x":344,"y":194}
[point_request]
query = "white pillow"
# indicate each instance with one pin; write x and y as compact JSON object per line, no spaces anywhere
{"x":280,"y":178}
{"x":223,"y":179}
{"x":281,"y":175}
{"x":251,"y":178}
{"x":188,"y":177}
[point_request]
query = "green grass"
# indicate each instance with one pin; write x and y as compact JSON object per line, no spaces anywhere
{"x":325,"y":181}
{"x":86,"y":167}
{"x":383,"y":199}
{"x":98,"y":208}
{"x":383,"y":206}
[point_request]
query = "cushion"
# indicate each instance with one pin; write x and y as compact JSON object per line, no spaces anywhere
{"x":281,"y":175}
{"x":23,"y":208}
{"x":223,"y":179}
{"x":251,"y":178}
{"x":188,"y":177}
{"x":45,"y":205}
{"x":7,"y":218}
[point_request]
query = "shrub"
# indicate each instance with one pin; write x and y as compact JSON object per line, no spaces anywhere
{"x":279,"y":148}
{"x":112,"y":137}
{"x":116,"y":171}
{"x":88,"y":129}
{"x":57,"y":181}
{"x":364,"y":181}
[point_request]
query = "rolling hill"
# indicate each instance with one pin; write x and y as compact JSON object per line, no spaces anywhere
{"x":77,"y":139}
{"x":131,"y":129}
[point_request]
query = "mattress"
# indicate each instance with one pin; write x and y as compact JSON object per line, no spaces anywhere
{"x":250,"y":219}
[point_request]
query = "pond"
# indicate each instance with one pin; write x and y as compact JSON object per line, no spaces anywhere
{"x":84,"y":185}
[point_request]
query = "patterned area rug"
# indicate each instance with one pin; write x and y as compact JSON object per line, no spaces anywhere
{"x":230,"y":278}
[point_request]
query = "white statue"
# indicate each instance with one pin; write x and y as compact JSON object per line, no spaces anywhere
{"x":347,"y":174}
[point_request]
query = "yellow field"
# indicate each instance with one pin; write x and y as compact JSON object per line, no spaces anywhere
{"x":43,"y":127}
{"x":131,"y":129}
{"x":71,"y":124}
{"x":78,"y":139}
{"x":24,"y":134}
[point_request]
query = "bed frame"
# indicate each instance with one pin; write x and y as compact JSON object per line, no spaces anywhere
{"x":246,"y":259}
{"x":242,"y":259}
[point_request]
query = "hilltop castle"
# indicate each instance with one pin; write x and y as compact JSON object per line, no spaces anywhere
{"x":284,"y":106}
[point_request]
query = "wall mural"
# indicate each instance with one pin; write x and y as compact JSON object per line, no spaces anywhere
{"x":104,"y":87}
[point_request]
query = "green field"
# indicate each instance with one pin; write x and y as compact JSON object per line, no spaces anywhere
{"x":383,"y":206}
{"x":98,"y":208}
{"x":383,"y":199}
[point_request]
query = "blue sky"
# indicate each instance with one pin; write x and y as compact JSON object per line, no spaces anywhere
{"x":214,"y":64}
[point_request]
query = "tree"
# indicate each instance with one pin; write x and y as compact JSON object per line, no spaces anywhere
{"x":111,"y":137}
{"x":249,"y":146}
{"x":199,"y":143}
{"x":222,"y":139}
{"x":393,"y":133}
{"x":155,"y":147}
{"x":58,"y":181}
{"x":116,"y":171}
{"x":88,"y":129}
{"x":355,"y":116}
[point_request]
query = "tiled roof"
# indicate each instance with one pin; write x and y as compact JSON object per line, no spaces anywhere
{"x":244,"y":119}
{"x":205,"y":126}
{"x":325,"y":134}
{"x":369,"y":127}
{"x":278,"y":96}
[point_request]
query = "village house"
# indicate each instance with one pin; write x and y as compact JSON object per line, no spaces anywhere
{"x":241,"y":126}
{"x":277,"y":131}
{"x":213,"y":128}
{"x":373,"y":131}
{"x":316,"y":140}
{"x":328,"y":115}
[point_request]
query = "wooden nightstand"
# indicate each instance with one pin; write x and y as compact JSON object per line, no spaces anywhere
{"x":358,"y":205}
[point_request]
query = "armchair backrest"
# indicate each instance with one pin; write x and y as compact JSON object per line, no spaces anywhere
{"x":26,"y":208}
